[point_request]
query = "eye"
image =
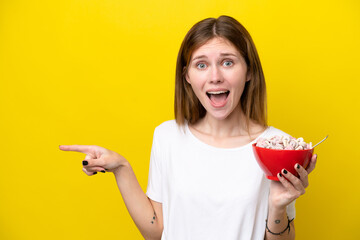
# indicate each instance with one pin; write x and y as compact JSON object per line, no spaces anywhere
{"x":228,"y":63}
{"x":201,"y":65}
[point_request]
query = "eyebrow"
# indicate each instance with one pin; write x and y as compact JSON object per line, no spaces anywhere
{"x":221,"y":54}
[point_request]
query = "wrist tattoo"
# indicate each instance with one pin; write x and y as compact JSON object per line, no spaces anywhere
{"x":278,"y":221}
{"x":152,"y":221}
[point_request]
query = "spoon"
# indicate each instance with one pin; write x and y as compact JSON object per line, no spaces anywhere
{"x":321,"y":141}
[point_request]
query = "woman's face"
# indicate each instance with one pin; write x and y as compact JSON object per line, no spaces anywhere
{"x":217,"y":73}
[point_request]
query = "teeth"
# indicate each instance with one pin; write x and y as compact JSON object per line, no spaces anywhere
{"x":220,"y":92}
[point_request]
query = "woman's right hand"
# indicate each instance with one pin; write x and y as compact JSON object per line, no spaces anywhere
{"x":97,"y":159}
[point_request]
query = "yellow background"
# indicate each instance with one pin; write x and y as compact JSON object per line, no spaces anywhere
{"x":102,"y":72}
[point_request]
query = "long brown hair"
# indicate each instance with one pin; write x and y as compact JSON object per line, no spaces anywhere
{"x":253,"y":99}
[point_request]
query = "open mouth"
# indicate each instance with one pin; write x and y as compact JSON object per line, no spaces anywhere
{"x":219,"y":94}
{"x":218,"y":98}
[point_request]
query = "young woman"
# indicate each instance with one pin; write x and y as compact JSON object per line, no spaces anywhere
{"x":204,"y":182}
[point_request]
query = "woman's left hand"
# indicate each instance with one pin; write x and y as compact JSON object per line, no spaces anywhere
{"x":290,"y":188}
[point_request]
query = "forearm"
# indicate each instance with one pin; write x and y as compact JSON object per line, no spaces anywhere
{"x":137,"y":203}
{"x":277,"y":221}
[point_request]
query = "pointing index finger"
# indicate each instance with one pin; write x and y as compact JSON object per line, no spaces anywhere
{"x":76,"y":148}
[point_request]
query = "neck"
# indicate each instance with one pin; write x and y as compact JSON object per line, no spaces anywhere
{"x":232,"y":126}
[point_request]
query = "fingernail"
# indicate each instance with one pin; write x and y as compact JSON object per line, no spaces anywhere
{"x":298,"y":166}
{"x":103,"y":171}
{"x":94,"y":173}
{"x":280,"y":174}
{"x":85,"y":163}
{"x":284,"y":171}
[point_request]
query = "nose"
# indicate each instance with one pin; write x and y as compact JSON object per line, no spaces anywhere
{"x":215,"y":75}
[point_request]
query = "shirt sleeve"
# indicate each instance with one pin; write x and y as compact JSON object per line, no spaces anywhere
{"x":290,"y":210}
{"x":154,"y":187}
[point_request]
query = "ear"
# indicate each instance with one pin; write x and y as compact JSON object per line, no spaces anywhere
{"x":186,"y":76}
{"x":187,"y":79}
{"x":248,"y":76}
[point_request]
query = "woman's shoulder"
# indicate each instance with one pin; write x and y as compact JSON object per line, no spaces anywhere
{"x":167,"y":128}
{"x":169,"y":125}
{"x":273,"y":131}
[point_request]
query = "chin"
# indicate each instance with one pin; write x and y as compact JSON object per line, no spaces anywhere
{"x":218,"y":115}
{"x":222,"y":114}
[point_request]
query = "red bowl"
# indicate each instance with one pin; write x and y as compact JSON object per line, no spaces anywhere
{"x":273,"y":161}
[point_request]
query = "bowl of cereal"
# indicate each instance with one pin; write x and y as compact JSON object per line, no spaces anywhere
{"x":281,"y":152}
